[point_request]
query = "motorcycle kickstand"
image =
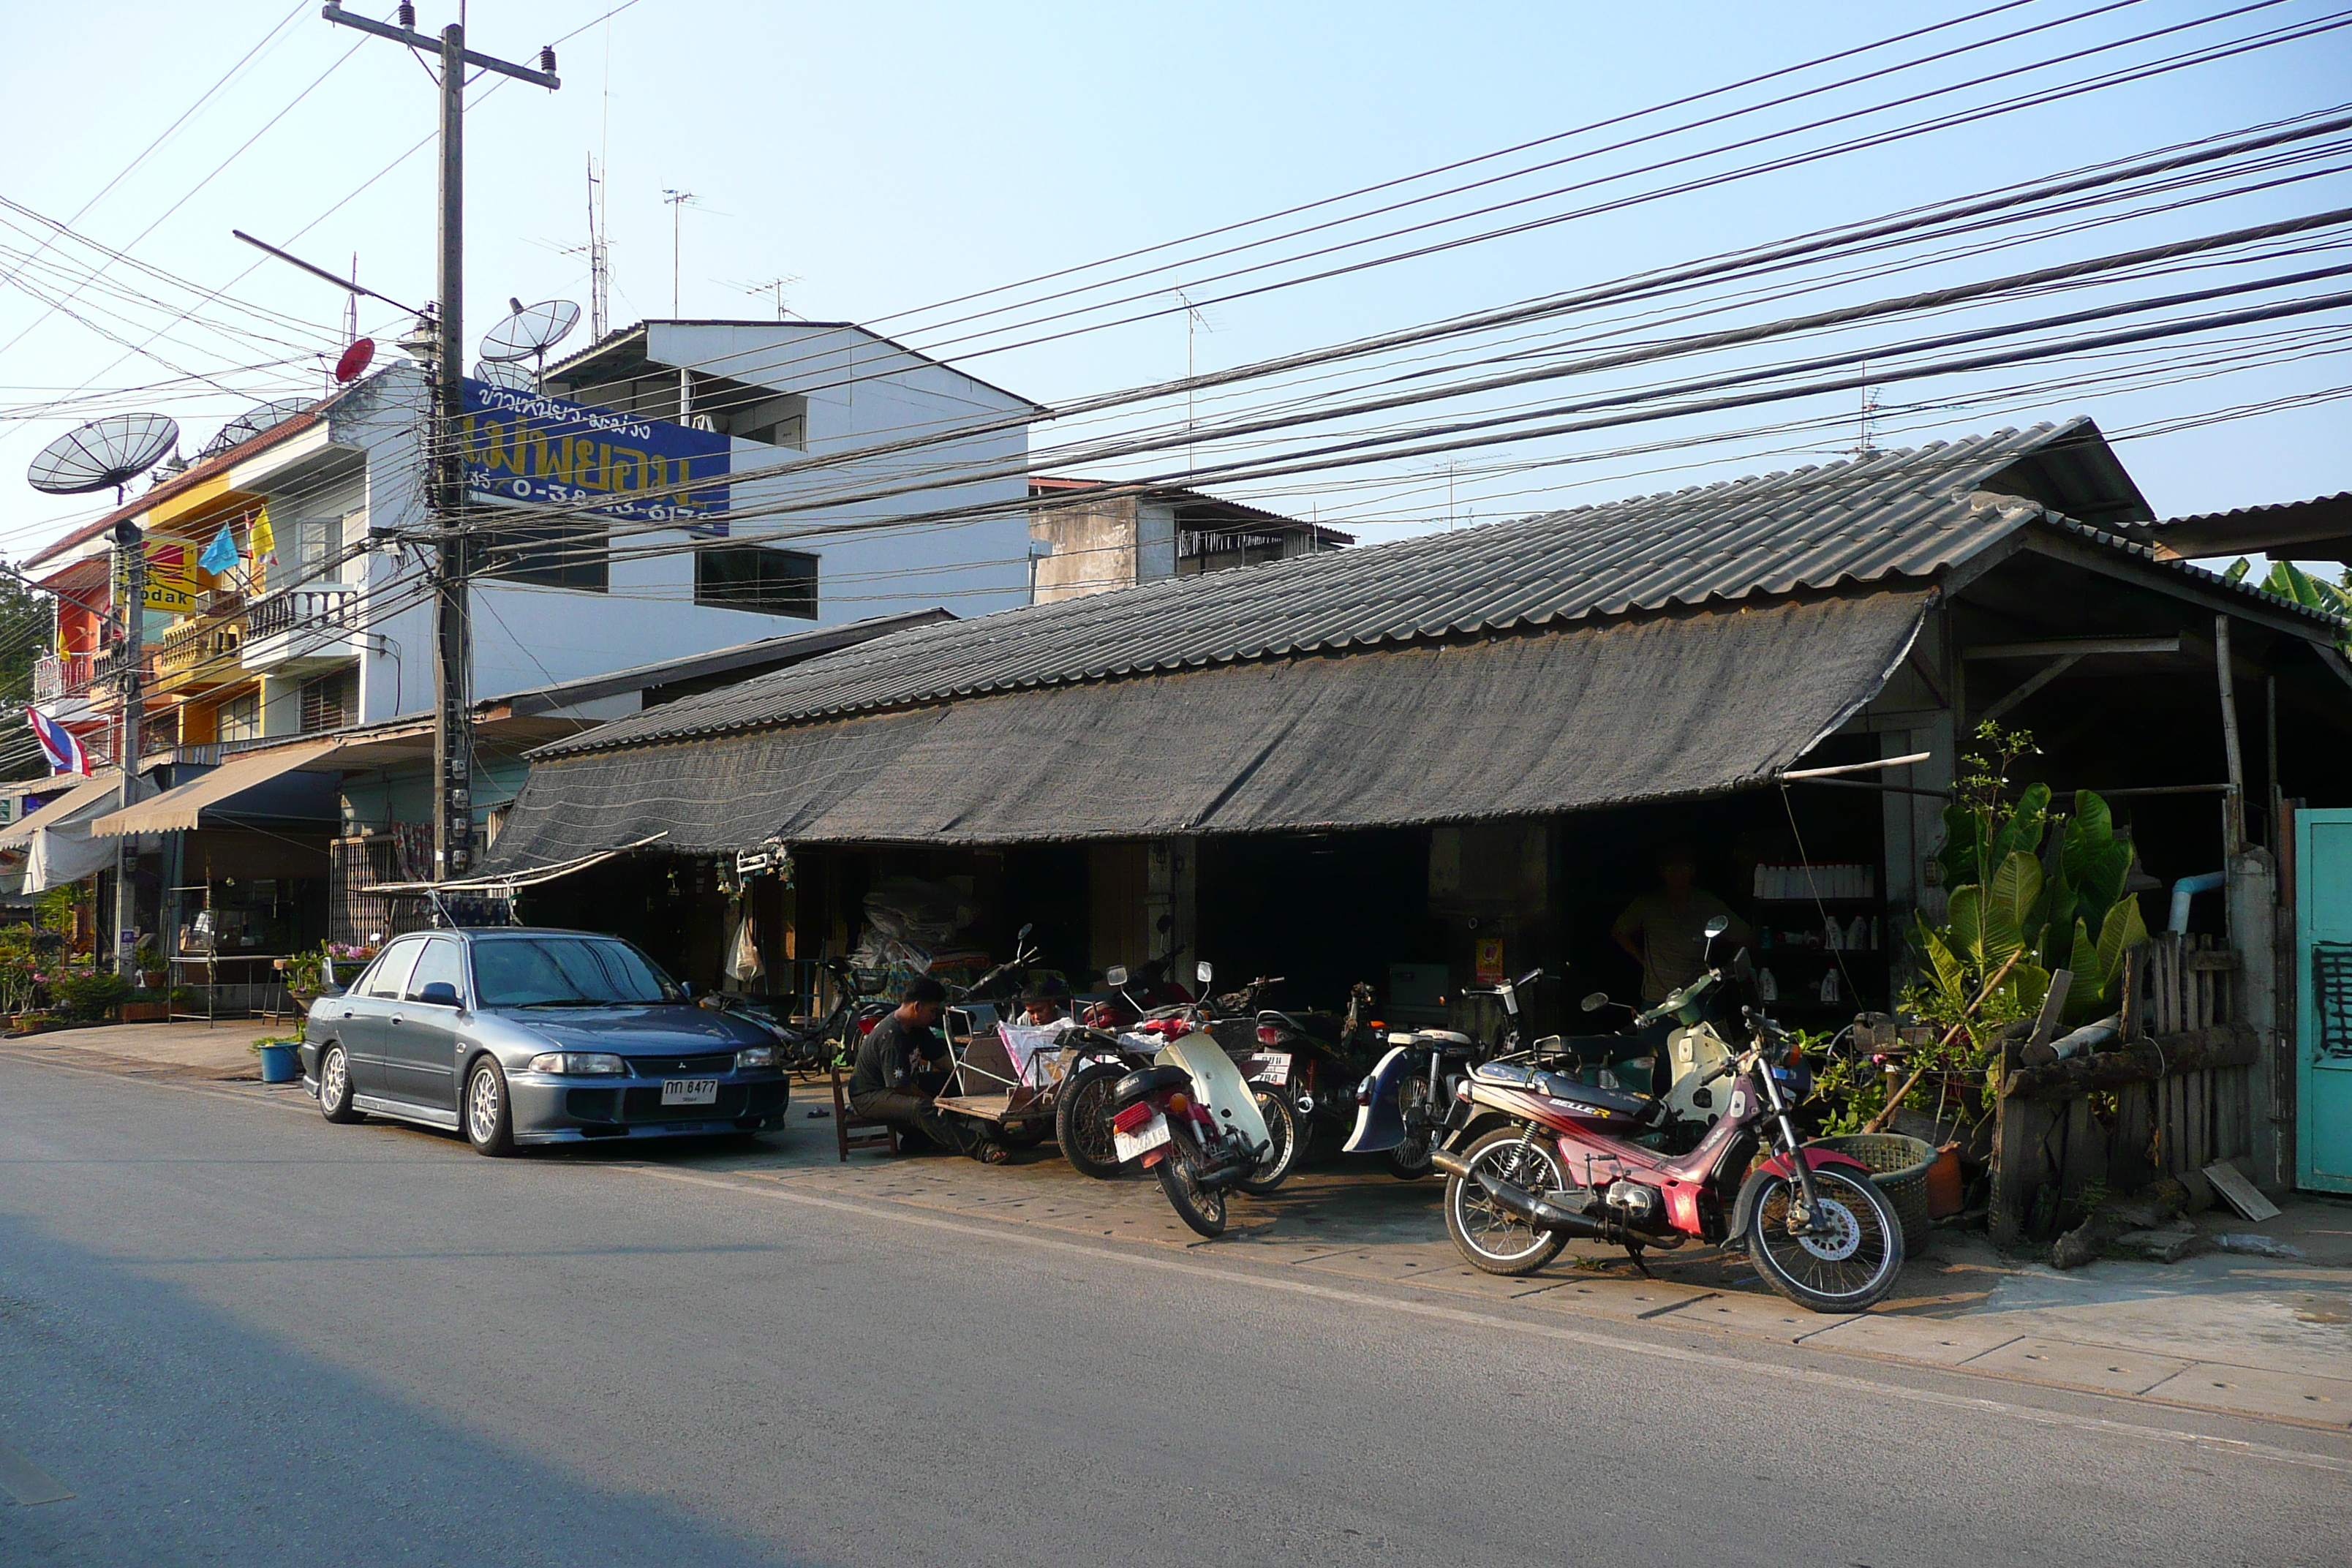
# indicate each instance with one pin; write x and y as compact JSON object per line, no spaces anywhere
{"x":1634,"y":1253}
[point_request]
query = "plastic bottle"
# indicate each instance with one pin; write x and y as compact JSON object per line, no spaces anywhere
{"x":1767,"y":988}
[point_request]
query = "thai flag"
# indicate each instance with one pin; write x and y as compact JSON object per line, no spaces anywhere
{"x":62,"y":746}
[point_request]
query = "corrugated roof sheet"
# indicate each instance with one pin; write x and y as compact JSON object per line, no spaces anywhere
{"x":1889,"y":516}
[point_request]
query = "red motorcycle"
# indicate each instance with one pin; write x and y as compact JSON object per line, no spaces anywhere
{"x":1535,"y":1157}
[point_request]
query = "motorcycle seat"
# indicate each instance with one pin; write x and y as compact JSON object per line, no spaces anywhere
{"x":1556,"y":1085}
{"x":1145,"y":1081}
{"x":1440,"y":1037}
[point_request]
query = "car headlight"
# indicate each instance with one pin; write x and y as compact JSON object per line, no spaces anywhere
{"x":577,"y":1063}
{"x":755,"y":1056}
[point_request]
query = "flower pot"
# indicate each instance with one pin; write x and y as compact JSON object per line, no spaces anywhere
{"x":146,"y":1011}
{"x":154,"y":979}
{"x":280,"y":1064}
{"x":1946,"y":1188}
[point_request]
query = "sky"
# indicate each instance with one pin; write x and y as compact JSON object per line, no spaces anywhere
{"x":885,"y":158}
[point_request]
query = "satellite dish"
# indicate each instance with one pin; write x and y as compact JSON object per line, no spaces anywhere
{"x":533,"y":330}
{"x":261,"y":416}
{"x":355,"y":361}
{"x":512,"y":376}
{"x":110,"y":451}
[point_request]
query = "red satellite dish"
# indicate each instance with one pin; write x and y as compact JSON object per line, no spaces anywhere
{"x":355,"y":360}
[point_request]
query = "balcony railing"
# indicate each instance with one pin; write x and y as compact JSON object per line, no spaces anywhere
{"x":57,"y":675}
{"x":109,"y":665}
{"x":303,"y":609}
{"x":201,"y":648}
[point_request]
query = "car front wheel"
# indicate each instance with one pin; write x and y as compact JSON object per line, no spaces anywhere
{"x":335,"y":1086}
{"x":489,"y":1121}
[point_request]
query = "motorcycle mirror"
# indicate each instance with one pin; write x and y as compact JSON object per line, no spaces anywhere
{"x":1716,"y":927}
{"x":1594,"y":1003}
{"x":1023,"y":935}
{"x":1165,"y":923}
{"x":1204,"y":972}
{"x":1114,"y":976}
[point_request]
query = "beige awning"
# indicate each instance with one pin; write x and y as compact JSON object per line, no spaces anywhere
{"x":81,"y":797}
{"x":177,"y":810}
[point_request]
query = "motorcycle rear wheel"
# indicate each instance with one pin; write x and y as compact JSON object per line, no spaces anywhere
{"x":1082,"y":1120}
{"x":1494,"y":1239}
{"x":1845,"y":1269}
{"x":1203,"y":1211}
{"x":1409,"y":1161}
{"x":1288,"y":1132}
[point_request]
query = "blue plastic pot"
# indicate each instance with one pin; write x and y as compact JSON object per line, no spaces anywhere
{"x":280,"y":1064}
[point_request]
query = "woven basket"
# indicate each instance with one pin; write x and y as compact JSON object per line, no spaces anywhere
{"x":1899,"y":1167}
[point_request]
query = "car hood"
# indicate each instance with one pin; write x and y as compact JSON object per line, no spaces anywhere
{"x":659,"y":1028}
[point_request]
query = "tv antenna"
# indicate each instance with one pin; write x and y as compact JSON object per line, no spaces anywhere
{"x":1869,"y":414}
{"x":676,"y":201}
{"x":600,"y":259}
{"x":777,"y":287}
{"x":261,"y":416}
{"x":110,"y":451}
{"x":530,"y":330}
{"x":1194,"y":320}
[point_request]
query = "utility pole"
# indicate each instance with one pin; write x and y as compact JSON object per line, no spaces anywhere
{"x":453,"y":730}
{"x":131,"y":583}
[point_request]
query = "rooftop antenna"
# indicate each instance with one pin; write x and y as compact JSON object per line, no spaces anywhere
{"x":110,"y":451}
{"x":255,"y":420}
{"x":677,"y":201}
{"x":599,"y":264}
{"x":513,"y":377}
{"x":1869,"y":413}
{"x":529,"y":331}
{"x":776,"y":286}
{"x":1193,"y":319}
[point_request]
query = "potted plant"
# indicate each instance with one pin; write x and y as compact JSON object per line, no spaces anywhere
{"x":146,"y":1006}
{"x":281,"y":1058}
{"x":87,"y":995}
{"x":152,"y":975}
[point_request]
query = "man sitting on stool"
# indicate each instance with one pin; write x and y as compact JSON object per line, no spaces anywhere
{"x":885,"y":1086}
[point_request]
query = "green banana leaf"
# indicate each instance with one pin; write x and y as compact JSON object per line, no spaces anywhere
{"x":2009,"y":903}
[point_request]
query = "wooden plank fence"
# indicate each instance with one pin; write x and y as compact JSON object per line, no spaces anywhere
{"x":2174,"y":1097}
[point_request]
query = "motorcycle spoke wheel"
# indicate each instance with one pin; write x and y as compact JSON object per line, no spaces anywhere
{"x":1494,"y":1239}
{"x":1845,"y":1263}
{"x":1287,"y":1134}
{"x":1201,"y":1210}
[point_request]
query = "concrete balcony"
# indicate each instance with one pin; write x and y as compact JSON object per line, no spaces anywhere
{"x":302,"y":631}
{"x":198,"y":655}
{"x":61,"y":675}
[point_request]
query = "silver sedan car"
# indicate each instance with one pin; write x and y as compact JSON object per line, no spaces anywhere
{"x":519,"y":1036}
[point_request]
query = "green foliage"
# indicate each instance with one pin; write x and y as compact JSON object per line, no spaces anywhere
{"x":87,"y":996}
{"x":2289,"y":581}
{"x":27,"y":628}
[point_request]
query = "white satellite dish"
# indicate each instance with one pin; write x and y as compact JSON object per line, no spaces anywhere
{"x":261,"y":416}
{"x":501,"y":373}
{"x":110,"y":451}
{"x":531,"y":331}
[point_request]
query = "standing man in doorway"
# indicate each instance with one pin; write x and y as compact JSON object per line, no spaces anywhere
{"x":1665,"y":930}
{"x":884,"y":1083}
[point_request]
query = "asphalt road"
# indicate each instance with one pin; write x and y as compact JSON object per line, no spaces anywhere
{"x":238,"y":1335}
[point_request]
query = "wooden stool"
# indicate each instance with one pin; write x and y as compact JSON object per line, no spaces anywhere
{"x":855,"y":1131}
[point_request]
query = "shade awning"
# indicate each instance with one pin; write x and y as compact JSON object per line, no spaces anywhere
{"x":1519,"y":725}
{"x":179,"y":810}
{"x":79,"y":799}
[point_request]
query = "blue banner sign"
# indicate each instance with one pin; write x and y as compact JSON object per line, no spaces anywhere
{"x":526,"y":446}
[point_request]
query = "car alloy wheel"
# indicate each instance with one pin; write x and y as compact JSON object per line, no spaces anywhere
{"x":489,"y":1122}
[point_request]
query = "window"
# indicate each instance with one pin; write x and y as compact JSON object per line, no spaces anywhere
{"x":390,"y":974}
{"x":765,"y":581}
{"x":239,"y":719}
{"x":330,"y":701}
{"x":558,"y":971}
{"x":559,"y":556}
{"x":444,"y":964}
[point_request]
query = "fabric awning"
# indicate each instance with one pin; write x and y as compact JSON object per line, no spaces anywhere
{"x":79,"y":799}
{"x":59,"y":847}
{"x":178,"y":810}
{"x":1518,"y":725}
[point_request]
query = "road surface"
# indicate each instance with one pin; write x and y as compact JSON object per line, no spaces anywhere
{"x":236,"y":1334}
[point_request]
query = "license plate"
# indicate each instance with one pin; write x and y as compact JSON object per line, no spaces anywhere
{"x":1142,"y":1141}
{"x":1273,"y":1067}
{"x":690,"y":1091}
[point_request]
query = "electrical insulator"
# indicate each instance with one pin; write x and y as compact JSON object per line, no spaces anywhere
{"x":408,"y":16}
{"x":547,"y":58}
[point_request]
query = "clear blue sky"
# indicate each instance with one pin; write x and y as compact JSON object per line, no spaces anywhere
{"x":892,"y":155}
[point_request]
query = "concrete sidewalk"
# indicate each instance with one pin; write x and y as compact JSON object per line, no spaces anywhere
{"x":2260,"y":1336}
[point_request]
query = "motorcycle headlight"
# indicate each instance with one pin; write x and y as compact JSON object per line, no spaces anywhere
{"x":755,"y":1056}
{"x":574,"y":1064}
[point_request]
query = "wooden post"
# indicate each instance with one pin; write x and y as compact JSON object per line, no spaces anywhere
{"x":2235,"y":831}
{"x":2135,"y":977}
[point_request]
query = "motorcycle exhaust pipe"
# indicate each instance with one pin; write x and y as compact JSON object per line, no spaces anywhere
{"x":1450,"y":1162}
{"x":1550,"y":1217}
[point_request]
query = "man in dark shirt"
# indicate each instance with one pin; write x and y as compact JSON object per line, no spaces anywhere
{"x":885,"y":1085}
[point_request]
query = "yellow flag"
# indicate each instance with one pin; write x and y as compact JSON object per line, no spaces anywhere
{"x":262,"y":540}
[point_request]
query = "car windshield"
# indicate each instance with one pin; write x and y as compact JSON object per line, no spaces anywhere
{"x":565,"y":972}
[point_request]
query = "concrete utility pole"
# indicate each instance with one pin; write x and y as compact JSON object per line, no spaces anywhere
{"x":453,"y":737}
{"x":131,"y":577}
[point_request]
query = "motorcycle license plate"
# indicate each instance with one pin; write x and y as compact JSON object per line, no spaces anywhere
{"x":1273,"y":1067}
{"x":690,"y":1091}
{"x":1142,"y":1141}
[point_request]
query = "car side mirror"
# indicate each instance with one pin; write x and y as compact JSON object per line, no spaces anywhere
{"x":1594,"y":1003}
{"x":686,"y":989}
{"x":1204,"y":972}
{"x":439,"y":994}
{"x":1114,"y":976}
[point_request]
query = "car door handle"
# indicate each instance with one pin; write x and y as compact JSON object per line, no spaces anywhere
{"x":395,"y":1020}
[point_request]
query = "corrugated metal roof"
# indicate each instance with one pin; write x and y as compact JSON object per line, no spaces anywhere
{"x":2321,"y":526}
{"x":1889,"y":516}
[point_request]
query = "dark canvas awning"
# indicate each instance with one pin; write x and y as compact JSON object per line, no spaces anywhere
{"x":1517,"y":725}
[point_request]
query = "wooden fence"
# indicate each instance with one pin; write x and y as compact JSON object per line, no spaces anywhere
{"x":2174,"y":1097}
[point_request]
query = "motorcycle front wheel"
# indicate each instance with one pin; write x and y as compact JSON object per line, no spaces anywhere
{"x":1846,"y":1263}
{"x":1492,"y":1237}
{"x":1082,"y":1113}
{"x":1287,"y":1133}
{"x":1203,"y":1211}
{"x":1409,"y":1161}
